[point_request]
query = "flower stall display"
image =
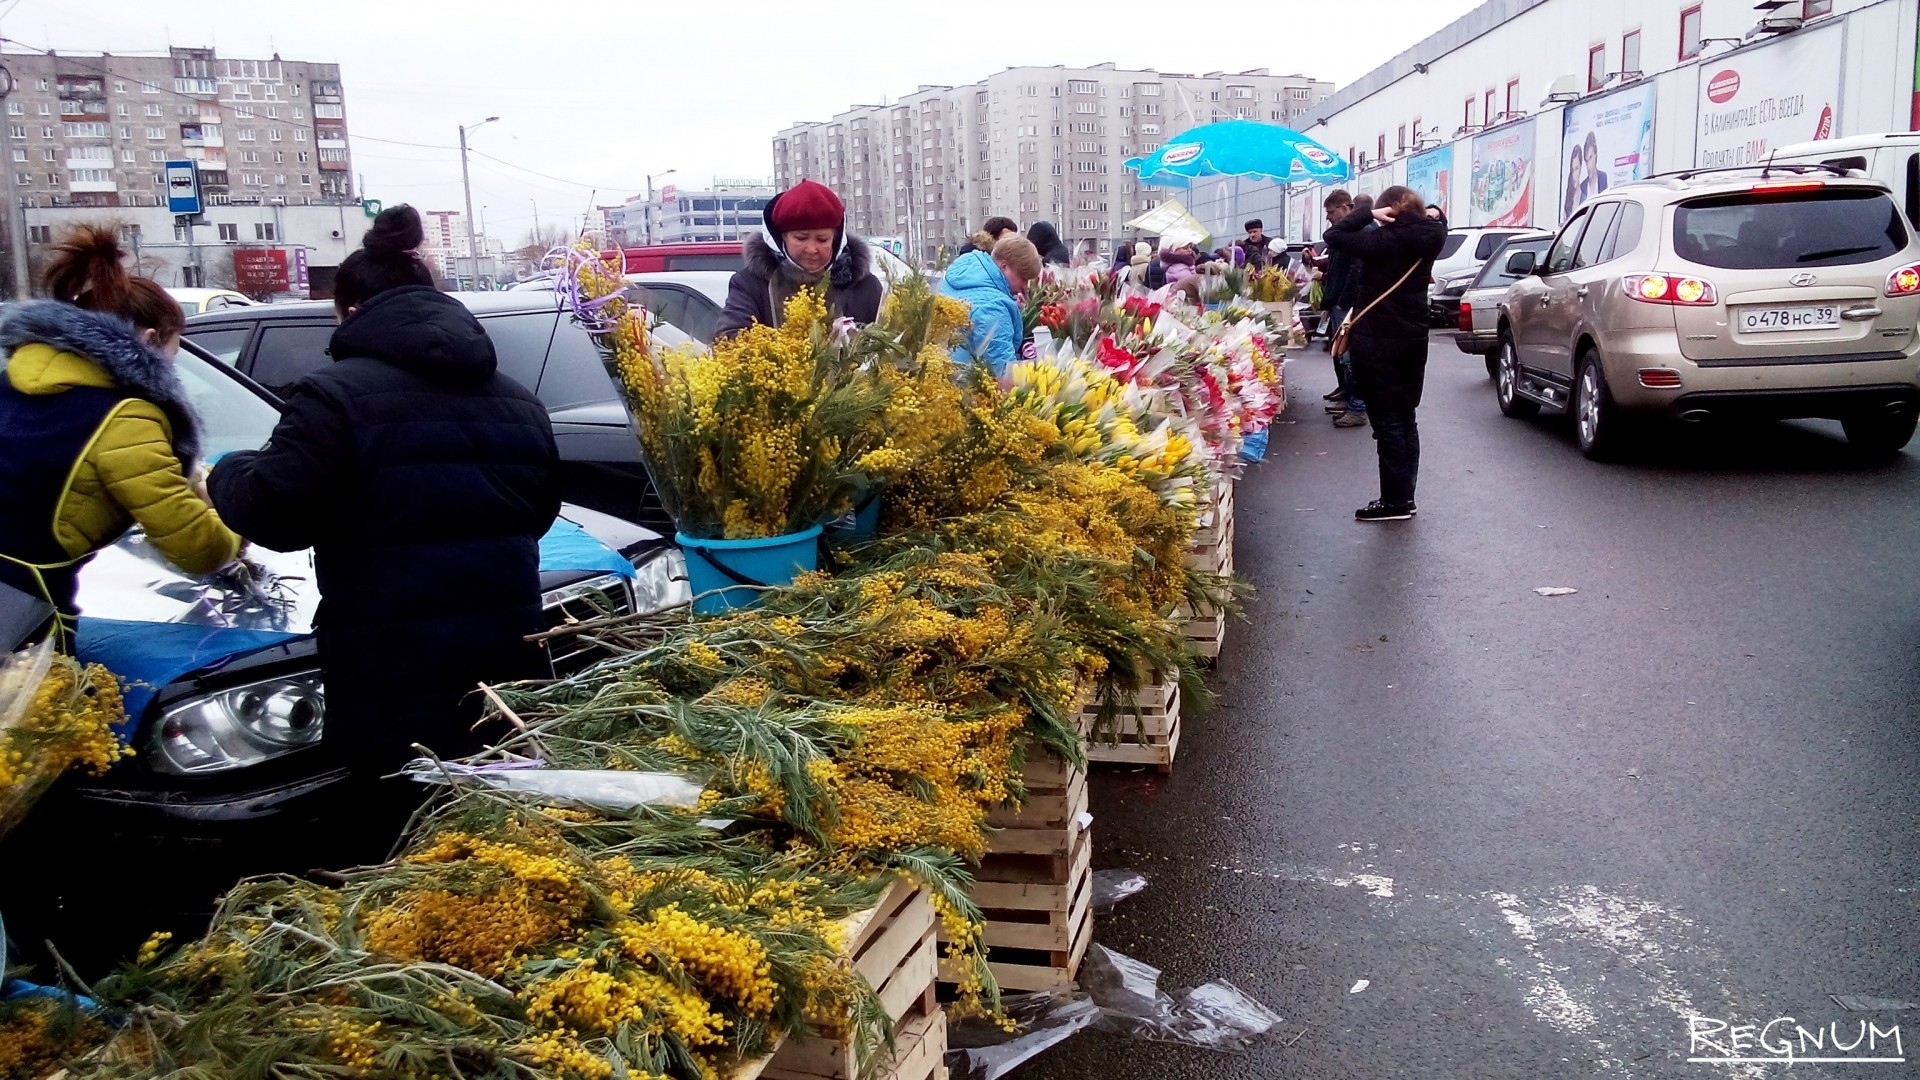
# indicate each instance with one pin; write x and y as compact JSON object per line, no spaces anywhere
{"x":861,"y":724}
{"x":56,"y":715}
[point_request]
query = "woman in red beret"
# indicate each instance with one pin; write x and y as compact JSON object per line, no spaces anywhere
{"x":805,"y":244}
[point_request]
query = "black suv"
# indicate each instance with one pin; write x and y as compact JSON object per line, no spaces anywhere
{"x":539,"y":345}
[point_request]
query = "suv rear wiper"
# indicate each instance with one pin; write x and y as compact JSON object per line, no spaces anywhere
{"x":1833,"y":253}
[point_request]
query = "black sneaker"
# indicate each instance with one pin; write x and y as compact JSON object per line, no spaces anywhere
{"x":1379,"y":511}
{"x":1335,"y":396}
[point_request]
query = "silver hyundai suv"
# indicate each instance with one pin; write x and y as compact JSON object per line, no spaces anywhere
{"x":1769,"y":292}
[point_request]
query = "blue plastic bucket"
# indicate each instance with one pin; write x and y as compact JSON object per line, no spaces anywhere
{"x":742,"y":567}
{"x":862,"y":523}
{"x":1253,"y":448}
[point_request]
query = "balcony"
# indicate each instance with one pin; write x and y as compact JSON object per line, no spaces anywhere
{"x":92,"y":186}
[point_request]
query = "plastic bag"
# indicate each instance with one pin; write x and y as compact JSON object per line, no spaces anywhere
{"x":980,"y":1050}
{"x":1216,"y":1016}
{"x":611,"y":790}
{"x":1112,"y":886}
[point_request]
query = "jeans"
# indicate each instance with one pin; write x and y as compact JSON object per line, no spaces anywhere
{"x":1343,"y":368}
{"x":1397,"y":438}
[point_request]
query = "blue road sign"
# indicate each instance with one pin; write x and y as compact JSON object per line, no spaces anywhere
{"x":183,"y":187}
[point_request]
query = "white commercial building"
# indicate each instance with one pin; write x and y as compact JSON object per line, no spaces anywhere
{"x":1522,"y":108}
{"x":728,"y":211}
{"x":1030,"y":143}
{"x":301,"y":243}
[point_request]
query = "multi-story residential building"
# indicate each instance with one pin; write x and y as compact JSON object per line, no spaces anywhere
{"x":94,"y":130}
{"x":446,"y":240}
{"x":729,"y":210}
{"x":1033,"y":143}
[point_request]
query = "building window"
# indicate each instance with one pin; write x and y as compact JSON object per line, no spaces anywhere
{"x":1402,"y":138}
{"x":1380,"y":148}
{"x":19,"y":154}
{"x":1513,"y":97}
{"x":229,"y":232}
{"x":39,"y":234}
{"x":1629,"y":54}
{"x":119,"y":87}
{"x":1486,"y":109}
{"x":50,"y":154}
{"x":24,"y":179}
{"x":275,"y":134}
{"x":156,"y":133}
{"x":1597,"y":67}
{"x":1466,"y":114}
{"x":1690,"y":33}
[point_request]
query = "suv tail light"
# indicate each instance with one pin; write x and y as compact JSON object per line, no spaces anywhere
{"x":1466,"y":316}
{"x":1670,"y":289}
{"x":1904,"y":281}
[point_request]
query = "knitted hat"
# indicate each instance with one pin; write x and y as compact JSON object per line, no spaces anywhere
{"x":806,"y":205}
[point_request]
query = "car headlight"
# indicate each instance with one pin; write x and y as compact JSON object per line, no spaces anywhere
{"x":240,"y":726}
{"x":660,"y":581}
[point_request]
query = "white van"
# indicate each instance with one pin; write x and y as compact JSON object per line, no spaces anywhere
{"x":1892,"y":158}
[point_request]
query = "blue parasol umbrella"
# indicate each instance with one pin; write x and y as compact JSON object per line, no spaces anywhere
{"x":1241,"y":148}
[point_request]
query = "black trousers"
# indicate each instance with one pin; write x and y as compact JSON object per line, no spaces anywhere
{"x":1396,"y":436}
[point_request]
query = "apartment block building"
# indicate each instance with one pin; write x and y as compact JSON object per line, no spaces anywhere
{"x":727,"y":211}
{"x":94,"y":129}
{"x":1032,"y":143}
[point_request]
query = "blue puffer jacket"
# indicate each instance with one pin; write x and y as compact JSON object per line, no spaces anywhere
{"x":996,"y":332}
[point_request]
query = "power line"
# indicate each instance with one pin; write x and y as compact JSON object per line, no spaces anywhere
{"x":561,"y":179}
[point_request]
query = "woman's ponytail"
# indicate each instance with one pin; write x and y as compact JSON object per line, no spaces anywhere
{"x":85,"y":268}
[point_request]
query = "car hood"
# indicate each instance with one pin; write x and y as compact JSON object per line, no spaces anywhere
{"x":150,"y":623}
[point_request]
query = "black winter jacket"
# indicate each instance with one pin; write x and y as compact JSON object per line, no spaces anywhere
{"x":423,"y":479}
{"x":1389,"y":343}
{"x":1047,"y":239}
{"x":760,"y":290}
{"x":1385,"y":254}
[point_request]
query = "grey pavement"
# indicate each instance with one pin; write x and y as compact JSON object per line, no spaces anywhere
{"x":1548,"y":832}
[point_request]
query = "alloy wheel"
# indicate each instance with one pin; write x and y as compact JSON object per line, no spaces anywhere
{"x":1588,"y":408}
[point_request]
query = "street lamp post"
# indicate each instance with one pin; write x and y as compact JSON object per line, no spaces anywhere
{"x":650,"y":207}
{"x":466,"y":185}
{"x":16,"y":219}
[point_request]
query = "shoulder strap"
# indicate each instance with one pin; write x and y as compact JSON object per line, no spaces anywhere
{"x":1384,"y":295}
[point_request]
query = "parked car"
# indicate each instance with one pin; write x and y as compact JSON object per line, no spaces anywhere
{"x":1893,"y":158}
{"x":668,"y":258}
{"x":538,"y":346}
{"x":1770,"y":292}
{"x":227,"y":700}
{"x":195,"y":301}
{"x":688,"y":301}
{"x":1479,"y":314}
{"x":1464,"y":252}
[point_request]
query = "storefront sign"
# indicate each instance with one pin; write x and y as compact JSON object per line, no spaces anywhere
{"x":260,"y":270}
{"x":1606,"y":141}
{"x":1752,"y":103}
{"x":1502,"y":186}
{"x":1431,"y":174}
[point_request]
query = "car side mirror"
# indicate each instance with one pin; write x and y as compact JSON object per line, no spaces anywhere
{"x":1522,"y":264}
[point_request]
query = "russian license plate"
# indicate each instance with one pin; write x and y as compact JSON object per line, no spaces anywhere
{"x":1769,"y":320}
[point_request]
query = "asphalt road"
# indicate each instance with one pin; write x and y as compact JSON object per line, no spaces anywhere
{"x":1546,"y":831}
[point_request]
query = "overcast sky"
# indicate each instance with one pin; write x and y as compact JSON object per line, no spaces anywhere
{"x":596,"y":94}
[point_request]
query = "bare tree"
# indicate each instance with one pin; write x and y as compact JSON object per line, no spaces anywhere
{"x":539,"y":241}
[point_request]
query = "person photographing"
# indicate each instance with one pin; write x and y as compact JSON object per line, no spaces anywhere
{"x":1387,"y":331}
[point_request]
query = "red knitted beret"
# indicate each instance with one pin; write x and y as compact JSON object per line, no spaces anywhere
{"x":807,"y":205}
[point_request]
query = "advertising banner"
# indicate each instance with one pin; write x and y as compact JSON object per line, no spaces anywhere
{"x":1606,"y":140}
{"x":1303,"y":220}
{"x":1431,"y":174}
{"x":1503,"y":177}
{"x":1752,"y":103}
{"x":258,"y":271}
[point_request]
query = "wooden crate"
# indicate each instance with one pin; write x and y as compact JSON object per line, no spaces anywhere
{"x":1148,"y":728}
{"x":1212,"y":548}
{"x":894,"y":946}
{"x":1036,"y":884}
{"x":1216,"y":517}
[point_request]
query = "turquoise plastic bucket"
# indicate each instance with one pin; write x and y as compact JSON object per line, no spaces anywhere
{"x":742,"y":567}
{"x":863,"y":523}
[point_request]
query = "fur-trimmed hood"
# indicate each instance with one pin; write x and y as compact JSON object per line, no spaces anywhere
{"x":851,"y":262}
{"x":114,"y":346}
